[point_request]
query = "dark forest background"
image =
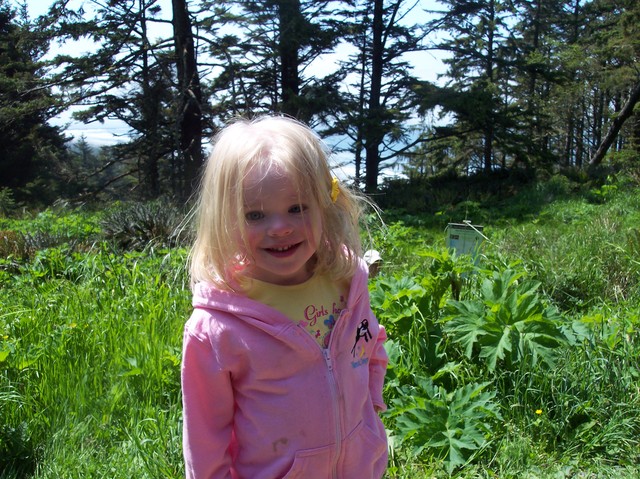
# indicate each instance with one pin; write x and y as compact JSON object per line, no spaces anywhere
{"x":530,"y":87}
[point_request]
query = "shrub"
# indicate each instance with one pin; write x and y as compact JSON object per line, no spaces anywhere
{"x":7,"y":203}
{"x":509,"y":324}
{"x":12,"y":244}
{"x":133,"y":226}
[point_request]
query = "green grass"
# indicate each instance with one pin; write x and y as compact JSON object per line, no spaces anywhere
{"x":90,"y":361}
{"x":532,"y":373}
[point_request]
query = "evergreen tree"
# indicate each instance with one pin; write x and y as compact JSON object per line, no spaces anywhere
{"x":377,"y":102}
{"x":615,"y":43}
{"x":33,"y":152}
{"x":264,"y":50}
{"x":537,"y":37}
{"x":480,"y":66}
{"x":190,"y":102}
{"x":135,"y":78}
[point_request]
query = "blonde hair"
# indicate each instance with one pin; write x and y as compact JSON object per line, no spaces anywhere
{"x":284,"y":143}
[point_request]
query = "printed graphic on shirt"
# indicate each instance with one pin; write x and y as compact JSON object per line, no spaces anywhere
{"x":358,"y":350}
{"x":315,"y":305}
{"x":319,"y":320}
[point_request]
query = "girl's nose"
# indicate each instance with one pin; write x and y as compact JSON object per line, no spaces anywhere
{"x":279,"y":226}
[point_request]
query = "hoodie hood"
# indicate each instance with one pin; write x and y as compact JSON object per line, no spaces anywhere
{"x":208,"y":296}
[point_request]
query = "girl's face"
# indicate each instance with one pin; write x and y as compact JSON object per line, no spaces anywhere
{"x":283,"y":227}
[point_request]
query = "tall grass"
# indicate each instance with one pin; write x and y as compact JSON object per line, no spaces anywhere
{"x":89,"y":363}
{"x":584,"y":254}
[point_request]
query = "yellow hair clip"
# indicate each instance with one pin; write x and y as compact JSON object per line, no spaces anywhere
{"x":335,"y":189}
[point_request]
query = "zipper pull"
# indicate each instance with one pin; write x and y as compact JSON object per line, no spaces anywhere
{"x":327,"y":358}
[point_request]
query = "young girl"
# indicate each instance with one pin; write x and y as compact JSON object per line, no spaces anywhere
{"x":283,"y":362}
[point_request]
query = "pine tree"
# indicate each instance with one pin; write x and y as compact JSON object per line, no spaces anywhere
{"x":33,"y":151}
{"x":377,"y":102}
{"x":616,"y":44}
{"x":479,"y":66}
{"x":265,"y":53}
{"x":150,"y":84}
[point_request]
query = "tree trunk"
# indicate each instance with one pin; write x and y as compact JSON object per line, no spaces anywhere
{"x":360,"y":140}
{"x":150,"y":180}
{"x":373,"y":133}
{"x":190,"y":99}
{"x":616,"y":125}
{"x":289,"y":44}
{"x":489,"y":129}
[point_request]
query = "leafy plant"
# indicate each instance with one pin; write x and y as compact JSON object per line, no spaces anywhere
{"x":12,"y":244}
{"x":508,"y":323}
{"x":17,"y":453}
{"x":409,"y":308}
{"x":604,"y":193}
{"x":448,"y":426}
{"x":75,"y":305}
{"x":136,"y":225}
{"x":403,"y":306}
{"x":7,"y":202}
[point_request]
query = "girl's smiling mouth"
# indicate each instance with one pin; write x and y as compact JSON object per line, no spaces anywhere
{"x":282,"y":250}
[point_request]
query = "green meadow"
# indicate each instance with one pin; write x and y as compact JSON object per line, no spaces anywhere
{"x":523,"y":362}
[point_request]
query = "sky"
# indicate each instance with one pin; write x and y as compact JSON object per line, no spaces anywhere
{"x":426,"y":65}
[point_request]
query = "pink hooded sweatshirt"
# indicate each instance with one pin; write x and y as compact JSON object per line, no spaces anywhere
{"x":262,"y":400}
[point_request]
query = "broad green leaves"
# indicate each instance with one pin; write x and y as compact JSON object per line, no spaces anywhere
{"x":449,"y":426}
{"x":509,"y":323}
{"x":449,"y":358}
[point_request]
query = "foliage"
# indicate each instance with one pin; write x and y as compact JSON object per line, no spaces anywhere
{"x":90,"y":337}
{"x":582,"y":252}
{"x":450,"y":426}
{"x":378,"y":84}
{"x":530,"y":86}
{"x":12,"y":244}
{"x":135,"y":225}
{"x":7,"y":202}
{"x":89,"y":365}
{"x":561,"y":380}
{"x":454,"y":197}
{"x":511,"y":86}
{"x":33,"y":150}
{"x":55,"y":226}
{"x":17,"y":454}
{"x":508,"y":325}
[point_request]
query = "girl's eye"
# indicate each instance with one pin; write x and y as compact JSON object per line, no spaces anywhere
{"x":297,"y":209}
{"x":253,"y":215}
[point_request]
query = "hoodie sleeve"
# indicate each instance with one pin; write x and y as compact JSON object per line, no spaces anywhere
{"x":377,"y":370}
{"x":207,"y":399}
{"x":379,"y":359}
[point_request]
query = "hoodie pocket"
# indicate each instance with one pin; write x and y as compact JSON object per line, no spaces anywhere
{"x":364,"y":453}
{"x":311,"y":464}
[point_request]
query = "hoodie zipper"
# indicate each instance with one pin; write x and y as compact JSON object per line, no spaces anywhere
{"x":333,"y":386}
